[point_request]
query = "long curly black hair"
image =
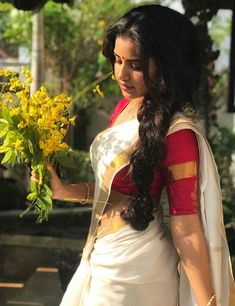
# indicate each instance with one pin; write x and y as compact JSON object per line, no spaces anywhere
{"x":170,"y":39}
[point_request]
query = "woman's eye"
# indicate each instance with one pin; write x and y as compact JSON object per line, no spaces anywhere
{"x":136,"y":67}
{"x":118,"y":60}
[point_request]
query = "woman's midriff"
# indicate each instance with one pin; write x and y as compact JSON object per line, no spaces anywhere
{"x":111,"y":220}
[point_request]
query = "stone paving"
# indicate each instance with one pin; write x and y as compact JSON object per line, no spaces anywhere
{"x":42,"y":289}
{"x":28,"y":267}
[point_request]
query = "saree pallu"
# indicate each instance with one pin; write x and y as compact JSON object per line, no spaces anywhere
{"x":128,"y":268}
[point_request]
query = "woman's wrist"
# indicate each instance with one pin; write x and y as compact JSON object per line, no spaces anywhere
{"x":87,"y":193}
{"x":59,"y":191}
{"x":73,"y":193}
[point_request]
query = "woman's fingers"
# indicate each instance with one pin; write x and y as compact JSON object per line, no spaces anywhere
{"x":55,"y":182}
{"x":51,"y":169}
{"x":34,"y":176}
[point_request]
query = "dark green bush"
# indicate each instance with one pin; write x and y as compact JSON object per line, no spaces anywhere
{"x":78,"y":169}
{"x":223,"y":146}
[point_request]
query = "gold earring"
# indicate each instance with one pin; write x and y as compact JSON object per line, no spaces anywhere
{"x":113,"y":77}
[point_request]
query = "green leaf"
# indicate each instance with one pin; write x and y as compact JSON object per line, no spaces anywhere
{"x":31,"y":147}
{"x":32,"y":196}
{"x":10,"y":138}
{"x":4,"y":149}
{"x":16,"y":120}
{"x":47,"y":190}
{"x":7,"y":157}
{"x":5,"y":115}
{"x":3,"y":122}
{"x":45,"y":197}
{"x":44,"y":205}
{"x":3,"y":130}
{"x":34,"y":186}
{"x":35,"y":135}
{"x":12,"y":160}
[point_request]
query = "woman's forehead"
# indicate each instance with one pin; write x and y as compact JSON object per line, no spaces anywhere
{"x":125,"y":48}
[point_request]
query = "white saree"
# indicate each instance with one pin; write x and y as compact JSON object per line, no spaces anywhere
{"x":139,"y":268}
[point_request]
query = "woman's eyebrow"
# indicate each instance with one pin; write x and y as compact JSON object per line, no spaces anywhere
{"x":129,"y":60}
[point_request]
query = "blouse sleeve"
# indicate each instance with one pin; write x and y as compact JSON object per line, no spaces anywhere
{"x":180,"y":172}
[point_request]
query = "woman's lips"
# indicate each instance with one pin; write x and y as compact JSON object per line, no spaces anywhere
{"x":126,"y":87}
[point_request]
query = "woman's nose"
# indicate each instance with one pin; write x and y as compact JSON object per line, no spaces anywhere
{"x":123,"y":73}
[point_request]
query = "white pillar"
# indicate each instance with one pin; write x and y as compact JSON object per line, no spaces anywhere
{"x":37,"y":62}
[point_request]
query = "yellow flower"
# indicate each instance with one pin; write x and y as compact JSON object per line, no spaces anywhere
{"x":18,"y":143}
{"x":41,"y":144}
{"x":5,"y":72}
{"x":15,"y":111}
{"x":29,"y":80}
{"x":98,"y":90}
{"x":22,"y":94}
{"x":27,"y":74}
{"x":99,"y":42}
{"x":21,"y":125}
{"x":52,"y":144}
{"x":63,"y":131}
{"x":15,"y":83}
{"x":73,"y":120}
{"x":26,"y":89}
{"x":6,"y":98}
{"x":59,"y":108}
{"x":64,"y":120}
{"x":32,"y":111}
{"x":101,"y":24}
{"x":24,"y":71}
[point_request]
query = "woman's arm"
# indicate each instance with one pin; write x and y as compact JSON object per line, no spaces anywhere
{"x":83,"y":193}
{"x":191,"y":246}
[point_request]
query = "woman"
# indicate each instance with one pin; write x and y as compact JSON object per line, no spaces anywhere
{"x":130,"y":257}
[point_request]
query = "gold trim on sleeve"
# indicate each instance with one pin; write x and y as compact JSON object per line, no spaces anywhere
{"x":182,"y":170}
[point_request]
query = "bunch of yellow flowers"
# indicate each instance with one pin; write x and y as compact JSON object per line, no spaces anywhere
{"x":32,"y":129}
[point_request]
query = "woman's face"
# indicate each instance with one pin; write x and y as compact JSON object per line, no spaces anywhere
{"x":128,"y":70}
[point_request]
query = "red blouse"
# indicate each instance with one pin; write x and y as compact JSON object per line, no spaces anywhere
{"x":178,"y":172}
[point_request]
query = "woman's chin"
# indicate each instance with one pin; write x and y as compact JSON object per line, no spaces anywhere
{"x":129,"y":95}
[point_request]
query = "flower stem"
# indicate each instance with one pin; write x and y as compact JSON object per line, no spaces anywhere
{"x":92,"y":85}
